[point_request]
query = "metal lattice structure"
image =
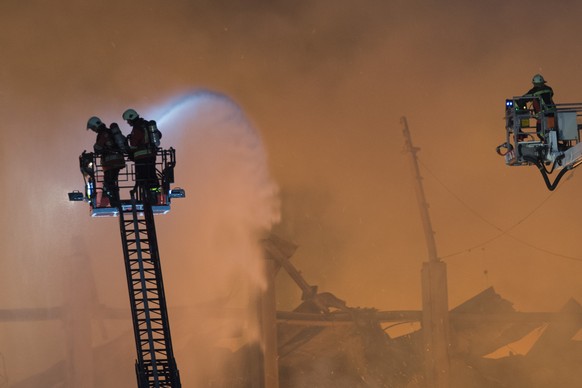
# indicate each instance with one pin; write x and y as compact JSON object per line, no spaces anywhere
{"x":155,"y":365}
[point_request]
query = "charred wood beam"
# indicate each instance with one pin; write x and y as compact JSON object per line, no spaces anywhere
{"x":317,"y":319}
{"x":31,"y":314}
{"x":410,"y":315}
{"x":516,"y":317}
{"x":55,"y":313}
{"x":274,"y":253}
{"x":338,"y":318}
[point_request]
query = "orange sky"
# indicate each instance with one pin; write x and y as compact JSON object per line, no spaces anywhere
{"x":325,"y":84}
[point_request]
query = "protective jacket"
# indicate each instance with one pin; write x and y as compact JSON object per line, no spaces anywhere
{"x":141,"y":140}
{"x":545,"y":93}
{"x":111,"y":154}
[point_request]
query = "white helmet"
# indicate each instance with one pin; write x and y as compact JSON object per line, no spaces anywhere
{"x":538,"y":79}
{"x":94,"y":123}
{"x":130,"y":115}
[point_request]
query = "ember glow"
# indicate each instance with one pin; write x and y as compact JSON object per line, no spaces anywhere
{"x":285,"y":117}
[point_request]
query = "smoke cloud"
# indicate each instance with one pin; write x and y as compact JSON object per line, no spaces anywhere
{"x":325,"y":84}
{"x":216,"y":264}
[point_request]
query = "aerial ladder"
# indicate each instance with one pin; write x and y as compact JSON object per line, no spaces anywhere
{"x":155,"y":365}
{"x":545,"y":137}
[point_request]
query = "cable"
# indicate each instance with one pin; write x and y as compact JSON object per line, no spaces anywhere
{"x":503,"y":232}
{"x":545,"y":173}
{"x":547,"y":251}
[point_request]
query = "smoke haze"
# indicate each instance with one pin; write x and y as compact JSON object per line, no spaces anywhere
{"x":324,"y":83}
{"x":214,"y":239}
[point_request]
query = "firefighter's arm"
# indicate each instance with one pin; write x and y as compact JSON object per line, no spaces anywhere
{"x":98,"y":148}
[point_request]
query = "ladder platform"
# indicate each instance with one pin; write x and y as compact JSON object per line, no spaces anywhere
{"x":114,"y":212}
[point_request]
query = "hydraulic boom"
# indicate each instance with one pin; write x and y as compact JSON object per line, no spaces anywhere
{"x":155,"y":365}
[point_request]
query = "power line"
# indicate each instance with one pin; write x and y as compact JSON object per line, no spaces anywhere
{"x":502,"y":231}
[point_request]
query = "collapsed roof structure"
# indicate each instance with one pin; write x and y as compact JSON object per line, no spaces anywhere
{"x":325,"y":342}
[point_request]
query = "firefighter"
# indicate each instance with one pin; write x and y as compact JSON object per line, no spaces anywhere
{"x":110,"y":145}
{"x":543,"y":91}
{"x":541,"y":97}
{"x":144,"y":141}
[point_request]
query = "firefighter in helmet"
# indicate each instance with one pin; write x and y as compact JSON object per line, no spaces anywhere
{"x":144,"y":141}
{"x":541,"y":98}
{"x":110,"y":145}
{"x":543,"y":92}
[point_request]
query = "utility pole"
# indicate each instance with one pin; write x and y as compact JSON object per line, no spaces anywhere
{"x":268,"y":323}
{"x":276,"y":251}
{"x":435,"y":309}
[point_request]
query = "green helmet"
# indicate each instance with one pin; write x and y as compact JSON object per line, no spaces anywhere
{"x":130,"y":115}
{"x":538,"y":79}
{"x":94,"y":123}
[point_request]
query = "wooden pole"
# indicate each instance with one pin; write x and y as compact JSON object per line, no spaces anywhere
{"x":435,"y":309}
{"x":268,"y":315}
